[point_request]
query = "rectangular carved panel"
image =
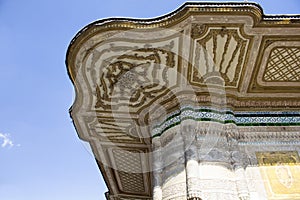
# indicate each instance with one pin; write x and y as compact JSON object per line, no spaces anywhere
{"x":280,"y":172}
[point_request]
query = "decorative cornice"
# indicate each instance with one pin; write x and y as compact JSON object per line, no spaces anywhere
{"x":227,"y":116}
{"x":176,"y":16}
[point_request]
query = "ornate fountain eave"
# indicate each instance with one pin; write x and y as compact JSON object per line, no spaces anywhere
{"x":249,"y":84}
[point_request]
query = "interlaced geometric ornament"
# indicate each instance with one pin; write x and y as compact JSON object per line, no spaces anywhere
{"x":283,"y":65}
{"x":126,"y":161}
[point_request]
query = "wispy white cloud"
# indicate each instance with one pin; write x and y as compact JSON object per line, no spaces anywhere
{"x":6,"y":140}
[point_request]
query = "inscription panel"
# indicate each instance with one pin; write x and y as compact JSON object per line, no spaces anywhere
{"x":281,"y":174}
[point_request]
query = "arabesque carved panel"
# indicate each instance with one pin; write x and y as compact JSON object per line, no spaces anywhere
{"x":126,"y":75}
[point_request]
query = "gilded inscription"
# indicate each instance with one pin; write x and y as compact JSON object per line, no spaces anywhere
{"x":281,"y":174}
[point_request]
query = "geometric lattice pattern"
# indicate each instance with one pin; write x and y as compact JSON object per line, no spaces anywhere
{"x":125,"y":162}
{"x":283,"y":65}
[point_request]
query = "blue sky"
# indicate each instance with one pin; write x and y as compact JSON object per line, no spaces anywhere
{"x":41,"y":157}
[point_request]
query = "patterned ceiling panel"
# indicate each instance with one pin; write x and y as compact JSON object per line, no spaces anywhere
{"x":277,"y":66}
{"x":128,"y":165}
{"x":283,"y":65}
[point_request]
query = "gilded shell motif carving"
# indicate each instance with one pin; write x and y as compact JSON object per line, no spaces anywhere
{"x":218,"y":56}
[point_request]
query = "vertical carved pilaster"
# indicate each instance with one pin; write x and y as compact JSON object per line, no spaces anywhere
{"x":193,"y":187}
{"x":241,"y":184}
{"x":157,"y":169}
{"x":192,"y":164}
{"x":239,"y":162}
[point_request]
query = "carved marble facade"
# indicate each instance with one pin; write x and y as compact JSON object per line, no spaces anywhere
{"x":199,"y":104}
